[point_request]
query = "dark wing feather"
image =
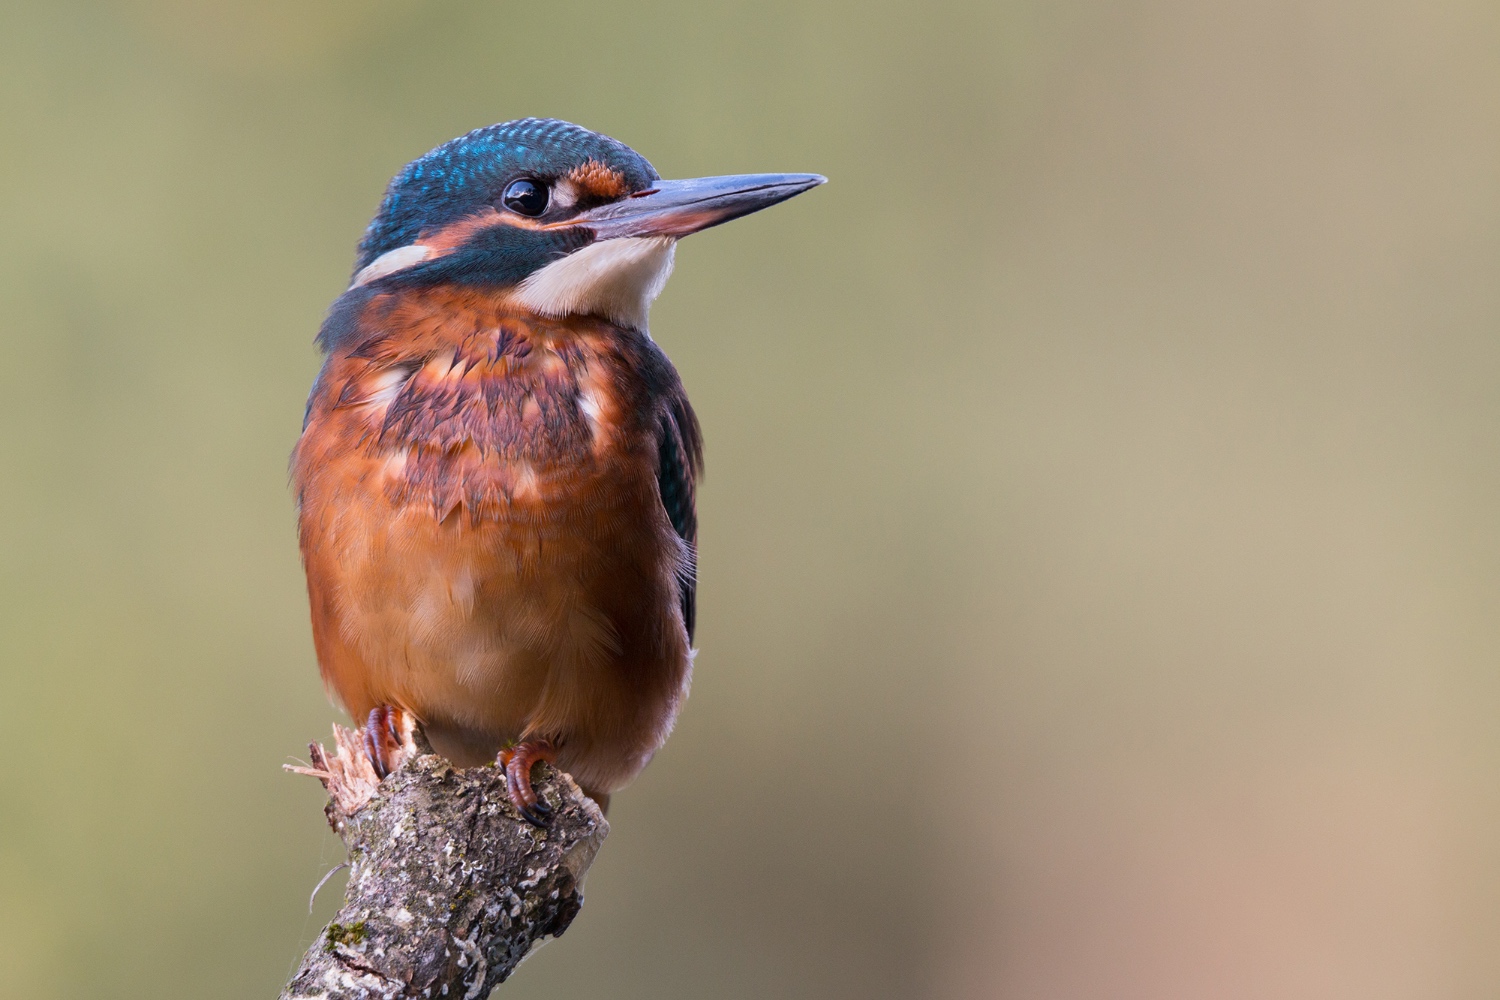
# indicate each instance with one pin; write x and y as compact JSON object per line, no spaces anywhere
{"x":681,"y":462}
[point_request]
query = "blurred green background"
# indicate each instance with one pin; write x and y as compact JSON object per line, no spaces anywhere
{"x":1100,"y":554}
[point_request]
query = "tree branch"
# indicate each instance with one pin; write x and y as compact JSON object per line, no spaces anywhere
{"x":449,"y":888}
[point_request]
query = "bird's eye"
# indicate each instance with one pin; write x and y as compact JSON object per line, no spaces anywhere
{"x":525,"y":197}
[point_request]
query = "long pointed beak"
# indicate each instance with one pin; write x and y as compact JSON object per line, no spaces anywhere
{"x":678,"y":208}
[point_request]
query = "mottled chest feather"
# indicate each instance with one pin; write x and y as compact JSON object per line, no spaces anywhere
{"x":455,"y":398}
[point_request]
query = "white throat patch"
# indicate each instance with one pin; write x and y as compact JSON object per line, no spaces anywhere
{"x":617,"y":279}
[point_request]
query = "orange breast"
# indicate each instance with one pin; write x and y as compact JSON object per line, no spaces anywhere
{"x":483,"y":532}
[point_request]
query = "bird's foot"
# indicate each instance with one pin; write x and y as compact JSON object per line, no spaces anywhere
{"x":387,"y":738}
{"x":517,"y":761}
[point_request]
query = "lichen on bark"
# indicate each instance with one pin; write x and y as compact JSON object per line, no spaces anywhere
{"x":449,"y":887}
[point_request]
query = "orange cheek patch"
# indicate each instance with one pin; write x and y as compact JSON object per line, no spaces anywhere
{"x":598,"y":180}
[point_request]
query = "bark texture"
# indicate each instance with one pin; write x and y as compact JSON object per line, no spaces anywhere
{"x":449,"y":888}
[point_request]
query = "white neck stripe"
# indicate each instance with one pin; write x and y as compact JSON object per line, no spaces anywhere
{"x":617,"y":279}
{"x":392,"y":261}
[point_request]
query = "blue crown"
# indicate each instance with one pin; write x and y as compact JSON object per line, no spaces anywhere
{"x":460,"y":176}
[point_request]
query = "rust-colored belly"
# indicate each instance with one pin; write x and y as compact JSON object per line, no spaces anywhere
{"x":484,"y":538}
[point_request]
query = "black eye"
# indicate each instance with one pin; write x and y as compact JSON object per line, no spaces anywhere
{"x":525,"y":197}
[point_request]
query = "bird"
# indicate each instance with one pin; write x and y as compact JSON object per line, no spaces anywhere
{"x":495,"y":480}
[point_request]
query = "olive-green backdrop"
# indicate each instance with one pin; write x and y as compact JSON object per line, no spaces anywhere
{"x":1100,"y":560}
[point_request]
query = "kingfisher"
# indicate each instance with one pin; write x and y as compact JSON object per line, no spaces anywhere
{"x":496,"y":473}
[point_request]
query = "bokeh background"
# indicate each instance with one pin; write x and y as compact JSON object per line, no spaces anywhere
{"x":1100,"y":552}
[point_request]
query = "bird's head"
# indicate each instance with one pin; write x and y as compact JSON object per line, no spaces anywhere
{"x":562,"y":220}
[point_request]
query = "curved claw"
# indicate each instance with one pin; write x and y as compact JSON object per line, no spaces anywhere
{"x":384,"y":741}
{"x":372,"y":750}
{"x":517,"y":761}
